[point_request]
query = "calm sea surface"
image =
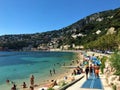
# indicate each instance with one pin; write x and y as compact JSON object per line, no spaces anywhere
{"x":18,"y":66}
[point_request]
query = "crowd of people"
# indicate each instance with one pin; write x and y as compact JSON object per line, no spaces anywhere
{"x":77,"y":71}
{"x":92,"y":70}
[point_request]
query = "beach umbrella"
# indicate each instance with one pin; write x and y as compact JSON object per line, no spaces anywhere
{"x":98,"y":62}
{"x":94,"y":58}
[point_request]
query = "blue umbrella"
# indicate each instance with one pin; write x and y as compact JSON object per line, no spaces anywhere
{"x":96,"y":61}
{"x":94,"y":58}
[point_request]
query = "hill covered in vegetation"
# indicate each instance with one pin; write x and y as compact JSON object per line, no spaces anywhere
{"x":97,"y":31}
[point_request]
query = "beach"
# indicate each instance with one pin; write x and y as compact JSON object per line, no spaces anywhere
{"x":36,"y":67}
{"x":61,"y":77}
{"x":79,"y":80}
{"x":64,"y":71}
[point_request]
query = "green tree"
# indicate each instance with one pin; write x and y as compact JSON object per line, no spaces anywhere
{"x":103,"y":60}
{"x":115,"y":62}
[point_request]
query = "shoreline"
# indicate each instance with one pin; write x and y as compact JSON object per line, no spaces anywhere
{"x":69,"y":70}
{"x":59,"y":76}
{"x":80,"y":59}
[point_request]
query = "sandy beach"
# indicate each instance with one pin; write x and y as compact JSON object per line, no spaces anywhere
{"x":59,"y":77}
{"x":65,"y":77}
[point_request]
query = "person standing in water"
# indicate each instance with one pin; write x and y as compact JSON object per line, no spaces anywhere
{"x":32,"y":80}
{"x":54,"y":71}
{"x":14,"y":87}
{"x":50,"y":73}
{"x":24,"y":85}
{"x":7,"y":81}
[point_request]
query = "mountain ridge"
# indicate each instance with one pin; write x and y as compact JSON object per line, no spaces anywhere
{"x":81,"y":32}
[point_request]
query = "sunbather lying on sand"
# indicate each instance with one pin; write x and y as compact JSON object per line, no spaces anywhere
{"x":51,"y":84}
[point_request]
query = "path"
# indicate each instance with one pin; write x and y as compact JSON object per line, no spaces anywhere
{"x":93,"y":83}
{"x":81,"y":85}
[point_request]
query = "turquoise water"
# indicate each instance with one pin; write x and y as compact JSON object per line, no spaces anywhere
{"x":19,"y":66}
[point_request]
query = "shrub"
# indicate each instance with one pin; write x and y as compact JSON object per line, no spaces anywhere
{"x":50,"y":89}
{"x":114,"y":87}
{"x":115,"y":63}
{"x":103,"y":60}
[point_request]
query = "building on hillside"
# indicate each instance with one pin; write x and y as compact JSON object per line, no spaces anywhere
{"x":43,"y":47}
{"x":65,"y":47}
{"x":78,"y":47}
{"x":29,"y":48}
{"x":98,"y":32}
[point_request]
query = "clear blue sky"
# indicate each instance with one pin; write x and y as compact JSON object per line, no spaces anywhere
{"x":32,"y":16}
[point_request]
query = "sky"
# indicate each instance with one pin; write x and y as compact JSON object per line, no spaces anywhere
{"x":36,"y":16}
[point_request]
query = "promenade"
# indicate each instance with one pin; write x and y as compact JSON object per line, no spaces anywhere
{"x":80,"y":82}
{"x":91,"y":84}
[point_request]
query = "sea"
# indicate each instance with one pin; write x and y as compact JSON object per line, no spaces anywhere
{"x":17,"y":67}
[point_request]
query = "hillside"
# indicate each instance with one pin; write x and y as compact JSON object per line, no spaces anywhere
{"x":86,"y":31}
